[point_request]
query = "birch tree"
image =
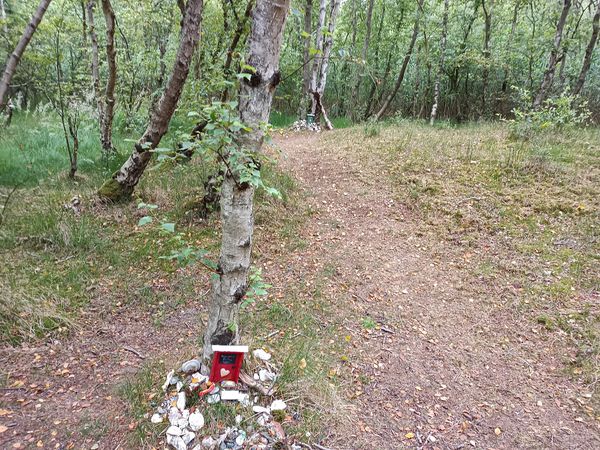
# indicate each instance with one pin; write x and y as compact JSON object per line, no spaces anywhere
{"x":123,"y":182}
{"x":15,"y":56}
{"x":105,"y":103}
{"x":321,"y":62}
{"x":237,"y":216}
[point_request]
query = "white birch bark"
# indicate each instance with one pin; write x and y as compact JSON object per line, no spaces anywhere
{"x":237,"y":215}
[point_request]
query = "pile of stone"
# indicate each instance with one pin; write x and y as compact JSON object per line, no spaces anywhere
{"x":189,"y":394}
{"x":303,"y":125}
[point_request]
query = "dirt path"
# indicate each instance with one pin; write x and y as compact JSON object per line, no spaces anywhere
{"x":455,"y":364}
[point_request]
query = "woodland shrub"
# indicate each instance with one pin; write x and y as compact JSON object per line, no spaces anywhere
{"x":556,"y":114}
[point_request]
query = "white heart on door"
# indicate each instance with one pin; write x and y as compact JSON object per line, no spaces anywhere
{"x":225,"y":372}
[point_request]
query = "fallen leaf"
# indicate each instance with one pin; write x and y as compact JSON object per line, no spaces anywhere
{"x":4,"y":412}
{"x":302,"y":364}
{"x":3,"y":428}
{"x":497,"y":431}
{"x":409,"y":435}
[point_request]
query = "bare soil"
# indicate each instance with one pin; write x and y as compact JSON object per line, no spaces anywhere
{"x":454,"y":363}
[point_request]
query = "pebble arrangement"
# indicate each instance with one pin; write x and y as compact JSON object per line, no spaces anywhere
{"x":183,"y":405}
{"x":303,"y":125}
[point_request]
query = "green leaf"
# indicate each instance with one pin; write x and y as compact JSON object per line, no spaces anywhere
{"x":144,"y":221}
{"x":169,"y":227}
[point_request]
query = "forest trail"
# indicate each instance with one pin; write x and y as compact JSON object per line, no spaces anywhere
{"x":455,"y":364}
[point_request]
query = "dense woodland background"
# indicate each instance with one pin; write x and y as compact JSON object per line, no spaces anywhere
{"x":484,"y":56}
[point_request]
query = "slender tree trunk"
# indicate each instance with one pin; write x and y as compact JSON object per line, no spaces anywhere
{"x":405,"y":62}
{"x":123,"y":182}
{"x":376,"y":63}
{"x":15,"y":56}
{"x":488,"y":6}
{"x":553,"y":59}
{"x":587,"y":59}
{"x":95,"y":63}
{"x":436,"y":88}
{"x":237,"y":217}
{"x":319,"y":53}
{"x":364,"y":54}
{"x":306,"y":72}
{"x":324,"y":69}
{"x":109,"y":95}
{"x":3,"y":17}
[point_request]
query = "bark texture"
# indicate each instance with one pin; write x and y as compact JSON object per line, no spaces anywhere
{"x":237,"y":215}
{"x":436,"y":87}
{"x":321,"y":65}
{"x":95,"y":67}
{"x":405,"y":62}
{"x":109,"y":94}
{"x":587,"y":59}
{"x":306,"y":72}
{"x":15,"y":56}
{"x":123,"y":182}
{"x":553,"y":59}
{"x":3,"y":17}
{"x":364,"y":54}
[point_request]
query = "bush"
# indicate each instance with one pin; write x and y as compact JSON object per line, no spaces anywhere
{"x":558,"y":113}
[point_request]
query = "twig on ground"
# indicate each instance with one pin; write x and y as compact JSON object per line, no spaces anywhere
{"x":320,"y":447}
{"x":387,"y":330}
{"x":134,"y":351}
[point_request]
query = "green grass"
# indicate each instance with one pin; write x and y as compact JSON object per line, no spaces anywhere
{"x":281,"y":120}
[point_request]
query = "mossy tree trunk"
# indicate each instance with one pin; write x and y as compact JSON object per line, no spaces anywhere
{"x":124,"y":181}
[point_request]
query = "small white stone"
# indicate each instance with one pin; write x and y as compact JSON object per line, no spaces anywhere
{"x":191,"y":366}
{"x":238,"y":419}
{"x":278,"y":405}
{"x":156,"y":418}
{"x":261,"y":354}
{"x":266,"y":375}
{"x":209,"y":442}
{"x":196,"y":421}
{"x":260,"y":409}
{"x":176,"y":442}
{"x":174,"y":416}
{"x":168,"y":380}
{"x":188,"y":436}
{"x":181,"y":401}
{"x":174,"y":431}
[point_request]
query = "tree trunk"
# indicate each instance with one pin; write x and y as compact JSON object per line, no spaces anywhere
{"x":436,"y":88}
{"x":587,"y":59}
{"x":376,"y":63}
{"x":364,"y":54}
{"x":237,"y":217}
{"x":513,"y":28}
{"x":487,"y":13}
{"x":109,"y":95}
{"x":306,"y":72}
{"x":3,"y":17}
{"x":319,"y":53}
{"x":553,"y":59}
{"x":319,"y":109}
{"x":405,"y":62}
{"x":15,"y":57}
{"x":123,"y":182}
{"x":95,"y":63}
